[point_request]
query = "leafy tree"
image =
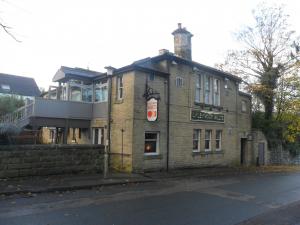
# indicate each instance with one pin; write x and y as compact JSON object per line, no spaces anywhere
{"x":270,"y":52}
{"x":9,"y":104}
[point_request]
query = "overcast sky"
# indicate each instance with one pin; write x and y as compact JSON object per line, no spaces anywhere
{"x":94,"y":34}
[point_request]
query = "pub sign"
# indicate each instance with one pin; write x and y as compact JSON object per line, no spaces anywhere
{"x":152,"y":109}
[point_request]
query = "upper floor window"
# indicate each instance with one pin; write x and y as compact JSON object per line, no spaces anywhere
{"x":75,"y":93}
{"x":120,"y":91}
{"x":179,"y":81}
{"x":207,"y":90}
{"x":5,"y":87}
{"x":198,"y":88}
{"x":216,"y":92}
{"x":87,"y":94}
{"x":101,"y":92}
{"x":151,"y":77}
{"x":244,"y":106}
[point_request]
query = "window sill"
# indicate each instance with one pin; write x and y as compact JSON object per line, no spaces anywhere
{"x":219,"y":151}
{"x":119,"y":101}
{"x":207,"y":152}
{"x":152,"y":156}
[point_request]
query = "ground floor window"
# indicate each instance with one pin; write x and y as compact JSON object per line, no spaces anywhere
{"x":151,"y":143}
{"x":98,"y":136}
{"x":218,"y":140}
{"x":196,"y":140}
{"x":208,"y":140}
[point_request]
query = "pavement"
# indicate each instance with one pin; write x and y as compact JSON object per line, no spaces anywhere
{"x":46,"y":184}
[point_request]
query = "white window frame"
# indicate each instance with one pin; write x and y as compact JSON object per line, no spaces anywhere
{"x":157,"y":142}
{"x":207,"y":89}
{"x":216,"y":90}
{"x":209,"y":139}
{"x":219,"y":139}
{"x":198,"y":136}
{"x":244,"y":106}
{"x":120,"y":87}
{"x":198,"y":88}
{"x":179,"y":81}
{"x":100,"y":135}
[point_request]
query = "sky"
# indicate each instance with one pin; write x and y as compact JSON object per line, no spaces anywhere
{"x":97,"y":33}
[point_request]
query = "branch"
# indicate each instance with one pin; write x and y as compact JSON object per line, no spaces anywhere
{"x":6,"y":29}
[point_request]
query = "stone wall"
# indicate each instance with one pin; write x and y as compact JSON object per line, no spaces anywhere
{"x":279,"y":156}
{"x":40,"y":160}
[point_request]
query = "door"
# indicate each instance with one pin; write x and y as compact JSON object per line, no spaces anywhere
{"x":98,"y":136}
{"x":261,"y":153}
{"x":243,"y":150}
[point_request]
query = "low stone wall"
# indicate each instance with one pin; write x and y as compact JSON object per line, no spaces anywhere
{"x":40,"y":160}
{"x":279,"y":156}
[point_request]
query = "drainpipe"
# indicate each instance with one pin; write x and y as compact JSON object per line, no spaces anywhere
{"x":168,"y":116}
{"x":108,"y":140}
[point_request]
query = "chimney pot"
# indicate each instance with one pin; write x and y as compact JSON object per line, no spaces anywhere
{"x":179,"y":25}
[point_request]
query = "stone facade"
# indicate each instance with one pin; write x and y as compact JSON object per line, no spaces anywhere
{"x":40,"y":160}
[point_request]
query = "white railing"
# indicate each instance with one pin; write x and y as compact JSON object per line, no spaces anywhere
{"x":18,"y":115}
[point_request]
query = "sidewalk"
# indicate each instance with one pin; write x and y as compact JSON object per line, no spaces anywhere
{"x":31,"y":185}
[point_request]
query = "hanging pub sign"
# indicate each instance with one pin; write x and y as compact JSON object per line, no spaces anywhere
{"x":152,"y":109}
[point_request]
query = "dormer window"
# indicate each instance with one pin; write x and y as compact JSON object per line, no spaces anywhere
{"x":5,"y":87}
{"x":120,"y":87}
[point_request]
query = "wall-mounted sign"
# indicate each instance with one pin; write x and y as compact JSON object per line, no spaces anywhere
{"x":152,"y":109}
{"x":198,"y":115}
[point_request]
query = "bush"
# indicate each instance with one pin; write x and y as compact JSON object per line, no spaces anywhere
{"x":7,"y":131}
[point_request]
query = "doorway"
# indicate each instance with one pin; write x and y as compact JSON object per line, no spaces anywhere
{"x":243,"y":150}
{"x":261,"y":153}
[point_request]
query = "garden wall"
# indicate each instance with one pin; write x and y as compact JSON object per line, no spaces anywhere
{"x":40,"y":160}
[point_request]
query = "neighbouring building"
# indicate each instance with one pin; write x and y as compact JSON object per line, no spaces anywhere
{"x":19,"y":86}
{"x":157,"y":113}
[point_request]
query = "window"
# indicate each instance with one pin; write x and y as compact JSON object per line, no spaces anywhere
{"x":207,"y":140}
{"x":216,"y":92}
{"x":207,"y":93}
{"x":87,"y":94}
{"x":244,"y":106}
{"x":120,"y":87}
{"x":98,"y":136}
{"x":198,"y":88}
{"x":151,"y":76}
{"x":151,"y":143}
{"x":5,"y":87}
{"x":226,"y":83}
{"x":218,"y":140}
{"x":101,"y":92}
{"x":75,"y":93}
{"x":196,"y":140}
{"x":179,"y":81}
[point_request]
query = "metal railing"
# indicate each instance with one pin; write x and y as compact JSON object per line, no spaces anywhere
{"x":18,"y":115}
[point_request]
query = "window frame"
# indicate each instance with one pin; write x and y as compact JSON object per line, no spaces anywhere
{"x":157,"y":142}
{"x":179,"y":82}
{"x":120,"y":87}
{"x":103,"y":90}
{"x":207,"y":91}
{"x":216,"y":92}
{"x":219,"y":139}
{"x":205,"y":139}
{"x":198,"y":88}
{"x":244,"y":103}
{"x":5,"y":87}
{"x":198,"y":133}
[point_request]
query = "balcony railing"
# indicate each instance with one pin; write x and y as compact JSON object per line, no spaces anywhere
{"x":18,"y":115}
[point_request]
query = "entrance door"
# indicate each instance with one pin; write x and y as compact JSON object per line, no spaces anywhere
{"x":98,"y":136}
{"x":261,"y":153}
{"x":243,"y":150}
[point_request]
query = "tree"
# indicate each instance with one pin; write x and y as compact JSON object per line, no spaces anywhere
{"x":270,"y":52}
{"x":9,"y":104}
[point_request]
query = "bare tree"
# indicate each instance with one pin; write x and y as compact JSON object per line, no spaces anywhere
{"x":7,"y":30}
{"x":270,"y":51}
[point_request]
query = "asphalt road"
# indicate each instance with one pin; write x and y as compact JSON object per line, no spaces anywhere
{"x":247,"y":199}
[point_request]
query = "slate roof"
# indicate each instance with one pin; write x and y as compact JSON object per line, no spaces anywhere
{"x":19,"y":85}
{"x":65,"y":73}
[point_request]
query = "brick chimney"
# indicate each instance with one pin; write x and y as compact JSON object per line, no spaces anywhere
{"x":182,"y":42}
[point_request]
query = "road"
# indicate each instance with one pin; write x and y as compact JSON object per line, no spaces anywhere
{"x":269,"y":198}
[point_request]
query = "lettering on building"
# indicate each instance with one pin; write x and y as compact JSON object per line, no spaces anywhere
{"x":198,"y":115}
